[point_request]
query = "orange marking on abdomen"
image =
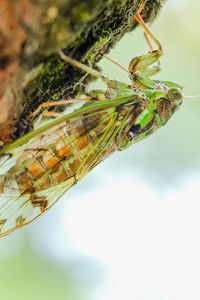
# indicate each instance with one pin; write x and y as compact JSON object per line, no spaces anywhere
{"x":82,"y":142}
{"x":64,"y":151}
{"x":35,"y":170}
{"x":51,"y":162}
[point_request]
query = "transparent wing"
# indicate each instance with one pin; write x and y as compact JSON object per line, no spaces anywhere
{"x":16,"y":211}
{"x":34,"y":175}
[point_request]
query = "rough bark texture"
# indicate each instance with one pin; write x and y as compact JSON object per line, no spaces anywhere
{"x":32,"y":31}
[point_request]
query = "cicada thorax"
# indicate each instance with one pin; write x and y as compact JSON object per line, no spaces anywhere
{"x":143,"y":120}
{"x":140,"y":123}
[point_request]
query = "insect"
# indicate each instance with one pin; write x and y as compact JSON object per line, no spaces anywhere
{"x":39,"y":167}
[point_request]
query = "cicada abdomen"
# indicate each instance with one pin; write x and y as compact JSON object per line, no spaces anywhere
{"x":52,"y":162}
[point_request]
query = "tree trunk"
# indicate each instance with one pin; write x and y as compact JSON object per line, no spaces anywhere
{"x":31,"y":32}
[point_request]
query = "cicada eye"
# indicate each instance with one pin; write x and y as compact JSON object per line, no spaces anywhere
{"x":164,"y":109}
{"x":175,"y":96}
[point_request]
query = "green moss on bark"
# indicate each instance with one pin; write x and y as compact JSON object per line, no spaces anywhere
{"x":83,"y":28}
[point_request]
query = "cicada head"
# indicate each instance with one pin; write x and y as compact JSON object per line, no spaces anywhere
{"x":164,"y":99}
{"x":156,"y":107}
{"x":173,"y":91}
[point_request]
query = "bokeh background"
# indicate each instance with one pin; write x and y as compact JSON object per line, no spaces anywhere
{"x":131,"y":228}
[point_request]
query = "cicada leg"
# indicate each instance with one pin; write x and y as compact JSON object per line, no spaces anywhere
{"x":114,"y":62}
{"x":63,"y":102}
{"x":82,"y":67}
{"x":42,"y":110}
{"x":146,"y":28}
{"x":45,"y":114}
{"x":85,"y":68}
{"x":140,"y":64}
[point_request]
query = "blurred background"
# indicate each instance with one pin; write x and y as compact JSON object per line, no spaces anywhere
{"x":131,"y":228}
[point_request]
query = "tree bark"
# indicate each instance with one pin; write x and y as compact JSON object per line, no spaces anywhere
{"x":32,"y":31}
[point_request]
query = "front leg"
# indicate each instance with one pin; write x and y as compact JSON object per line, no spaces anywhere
{"x":139,"y":66}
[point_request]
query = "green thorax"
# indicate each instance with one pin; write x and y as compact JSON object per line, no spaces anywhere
{"x":155,"y":103}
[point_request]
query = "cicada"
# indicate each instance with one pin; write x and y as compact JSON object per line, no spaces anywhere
{"x":39,"y":167}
